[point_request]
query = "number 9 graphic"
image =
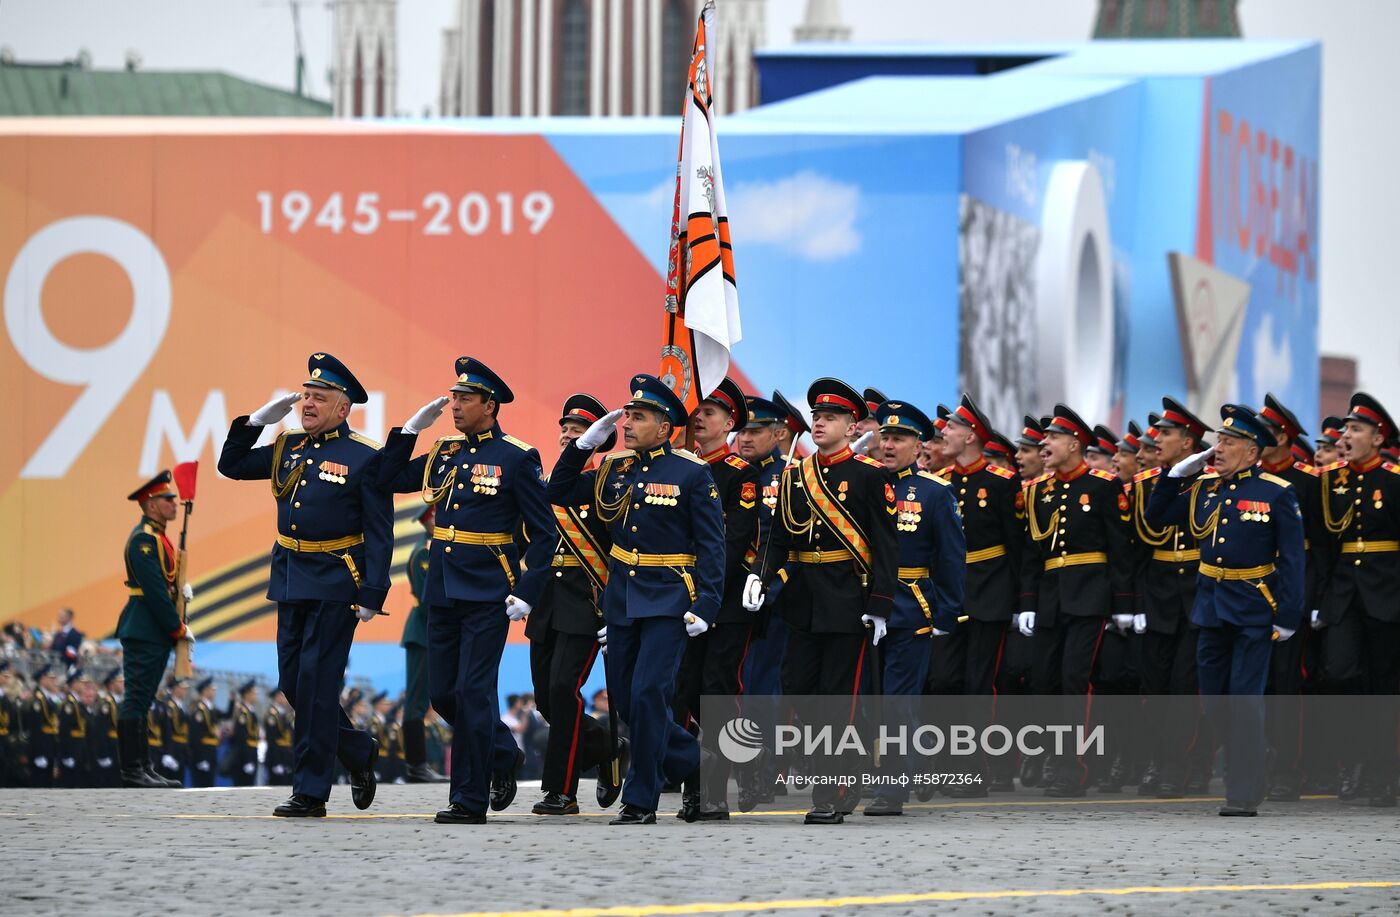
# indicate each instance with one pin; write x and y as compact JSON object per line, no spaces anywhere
{"x":108,"y":371}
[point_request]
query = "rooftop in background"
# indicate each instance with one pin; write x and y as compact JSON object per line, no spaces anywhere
{"x":69,"y":89}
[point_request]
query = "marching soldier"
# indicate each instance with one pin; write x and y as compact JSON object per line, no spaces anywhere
{"x":563,"y":634}
{"x":713,"y":661}
{"x":1286,"y":671}
{"x":204,"y":735}
{"x":835,"y":545}
{"x":105,"y":736}
{"x":1326,"y":452}
{"x":1167,"y":558}
{"x":1361,"y":513}
{"x":1076,"y":573}
{"x":175,"y":746}
{"x":73,"y":744}
{"x":149,"y":627}
{"x":41,"y":723}
{"x":766,"y":442}
{"x":1250,"y":585}
{"x":475,"y":586}
{"x":330,"y":567}
{"x":932,"y":570}
{"x":415,"y":646}
{"x":665,"y":580}
{"x":280,"y":735}
{"x":1014,"y":672}
{"x":243,"y":747}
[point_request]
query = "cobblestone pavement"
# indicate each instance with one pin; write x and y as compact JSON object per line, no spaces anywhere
{"x":220,"y":852}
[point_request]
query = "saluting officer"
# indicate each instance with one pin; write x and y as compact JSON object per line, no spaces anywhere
{"x":834,"y":543}
{"x":1361,"y":512}
{"x":475,"y":586}
{"x":330,"y":567}
{"x":1167,"y":558}
{"x":1250,"y":585}
{"x":149,"y":626}
{"x":1076,"y":573}
{"x":204,"y":735}
{"x":415,"y":647}
{"x":713,"y":661}
{"x":1286,"y":673}
{"x":665,"y":579}
{"x":932,"y":571}
{"x":563,"y":634}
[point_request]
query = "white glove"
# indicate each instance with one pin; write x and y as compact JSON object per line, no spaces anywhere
{"x":278,"y":769}
{"x":863,"y":442}
{"x":1191,"y":464}
{"x":517,"y":609}
{"x":603,"y":638}
{"x":694,"y":625}
{"x":41,"y":762}
{"x":1140,"y":623}
{"x":1025,"y":621}
{"x":249,"y":767}
{"x":104,"y":762}
{"x":202,"y":766}
{"x":188,"y":636}
{"x":753,"y":593}
{"x":427,"y":415}
{"x":1123,"y":622}
{"x":68,"y":762}
{"x":1282,"y":633}
{"x":939,"y":633}
{"x":274,"y":410}
{"x":1316,"y":621}
{"x":169,"y":763}
{"x":598,"y":434}
{"x":366,"y":614}
{"x":875,"y":623}
{"x":188,"y":593}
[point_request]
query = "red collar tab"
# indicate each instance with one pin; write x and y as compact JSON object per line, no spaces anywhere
{"x":1079,"y":472}
{"x":716,"y":456}
{"x":973,"y":468}
{"x":1369,"y":465}
{"x":835,"y":458}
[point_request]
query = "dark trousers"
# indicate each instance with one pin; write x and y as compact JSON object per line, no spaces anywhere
{"x":577,"y":741}
{"x":1232,"y":664}
{"x":1285,"y":713}
{"x":827,"y":664}
{"x":143,"y":664}
{"x":966,"y":660}
{"x":415,"y":700}
{"x":1169,"y":668}
{"x":905,"y":658}
{"x":713,"y":666}
{"x":643,"y":658}
{"x":1363,"y":657}
{"x":313,"y":649}
{"x":465,"y":642}
{"x":1065,"y":654}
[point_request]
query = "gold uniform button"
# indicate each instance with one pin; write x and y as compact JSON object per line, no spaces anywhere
{"x":1222,"y":540}
{"x":636,"y":506}
{"x":318,"y":445}
{"x":448,"y":549}
{"x":473,"y":449}
{"x":558,"y":573}
{"x":294,"y":527}
{"x":1227,"y":501}
{"x":310,"y":461}
{"x":296,"y":505}
{"x":456,"y":506}
{"x":460,"y":486}
{"x":1180,"y":569}
{"x":631,"y":572}
{"x":1224,"y":521}
{"x":646,"y":468}
{"x":634,"y":528}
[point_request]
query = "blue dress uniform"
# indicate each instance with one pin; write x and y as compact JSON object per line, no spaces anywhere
{"x":663,"y":513}
{"x":1076,"y":572}
{"x":335,"y":539}
{"x":1361,"y":513}
{"x":1250,"y":531}
{"x":932,"y":572}
{"x":483,"y":485}
{"x":148,"y":629}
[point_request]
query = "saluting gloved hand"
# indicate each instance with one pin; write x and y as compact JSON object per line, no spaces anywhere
{"x":1191,"y":464}
{"x":753,"y":593}
{"x":1282,"y":633}
{"x":1316,"y":622}
{"x":1025,"y":621}
{"x":1124,"y":623}
{"x":876,"y":624}
{"x":188,"y":592}
{"x":598,"y":434}
{"x":517,"y":609}
{"x":694,"y":624}
{"x":862,"y":443}
{"x":603,"y":638}
{"x":427,"y":415}
{"x":1140,"y":623}
{"x":366,"y":614}
{"x":274,"y":410}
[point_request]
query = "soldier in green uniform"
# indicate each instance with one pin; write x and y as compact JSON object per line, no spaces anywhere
{"x":244,"y":748}
{"x":149,"y":626}
{"x":415,"y":646}
{"x":277,"y":726}
{"x":103,"y":729}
